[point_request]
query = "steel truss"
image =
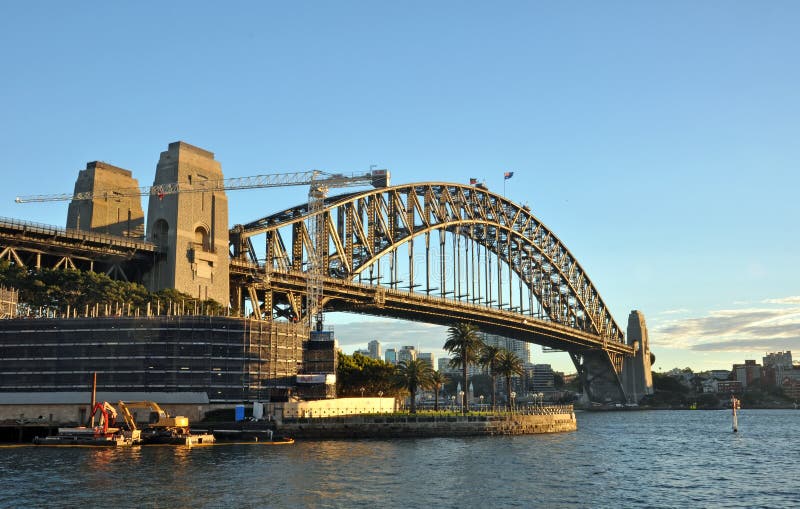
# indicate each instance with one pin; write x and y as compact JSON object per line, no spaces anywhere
{"x":492,"y":253}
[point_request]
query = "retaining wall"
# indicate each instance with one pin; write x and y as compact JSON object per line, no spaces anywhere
{"x":428,"y":426}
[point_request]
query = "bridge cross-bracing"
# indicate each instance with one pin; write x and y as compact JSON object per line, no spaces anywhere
{"x":433,"y":252}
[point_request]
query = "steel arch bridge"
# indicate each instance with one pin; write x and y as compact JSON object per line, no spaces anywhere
{"x":439,"y":253}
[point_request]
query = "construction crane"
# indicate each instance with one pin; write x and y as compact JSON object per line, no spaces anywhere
{"x":320,"y":182}
{"x":316,"y":202}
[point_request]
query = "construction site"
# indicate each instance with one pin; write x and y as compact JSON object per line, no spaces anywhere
{"x":179,"y":355}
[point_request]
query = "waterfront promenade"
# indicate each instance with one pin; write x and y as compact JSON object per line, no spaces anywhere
{"x":523,"y":421}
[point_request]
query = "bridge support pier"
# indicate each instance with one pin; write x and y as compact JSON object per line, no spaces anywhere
{"x":599,"y":374}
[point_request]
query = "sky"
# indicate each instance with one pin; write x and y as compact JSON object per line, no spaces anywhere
{"x":658,"y":140}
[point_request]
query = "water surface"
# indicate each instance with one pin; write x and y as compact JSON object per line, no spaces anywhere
{"x":615,"y":459}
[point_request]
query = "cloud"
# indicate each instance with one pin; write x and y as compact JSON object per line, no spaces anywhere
{"x":753,"y":329}
{"x":752,"y":345}
{"x":785,"y":300}
{"x":679,"y":311}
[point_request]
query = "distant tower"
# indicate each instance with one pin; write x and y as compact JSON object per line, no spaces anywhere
{"x":374,"y":348}
{"x":190,"y":227}
{"x":109,"y":211}
{"x":636,"y":376}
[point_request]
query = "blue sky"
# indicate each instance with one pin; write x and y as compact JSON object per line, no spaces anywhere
{"x":659,"y":141}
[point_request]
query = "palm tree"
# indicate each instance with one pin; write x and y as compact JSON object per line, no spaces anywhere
{"x":509,"y":365}
{"x":489,"y":357}
{"x":465,"y":345}
{"x":414,"y":374}
{"x":438,"y":379}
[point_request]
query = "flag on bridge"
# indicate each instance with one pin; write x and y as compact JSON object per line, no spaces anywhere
{"x":507,"y":175}
{"x":472,"y":182}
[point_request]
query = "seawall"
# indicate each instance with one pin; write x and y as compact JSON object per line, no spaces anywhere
{"x":410,"y":426}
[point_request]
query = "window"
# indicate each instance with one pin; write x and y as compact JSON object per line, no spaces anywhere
{"x":160,"y":231}
{"x":201,"y":239}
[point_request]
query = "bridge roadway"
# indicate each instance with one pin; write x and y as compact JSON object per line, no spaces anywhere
{"x":25,"y":239}
{"x":362,"y":298}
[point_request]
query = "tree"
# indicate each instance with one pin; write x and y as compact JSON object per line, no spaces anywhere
{"x":414,"y":374}
{"x":465,"y":345}
{"x":63,"y":290}
{"x":357,"y":371}
{"x":509,"y":365}
{"x":438,"y":379}
{"x":490,"y":354}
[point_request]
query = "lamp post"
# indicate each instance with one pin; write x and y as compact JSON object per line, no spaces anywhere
{"x":362,"y":392}
{"x":453,"y":399}
{"x":481,"y":396}
{"x":461,"y":397}
{"x":380,"y":402}
{"x":513,"y":396}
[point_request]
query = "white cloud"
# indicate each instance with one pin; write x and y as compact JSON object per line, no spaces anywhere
{"x":674,"y":311}
{"x":753,"y":329}
{"x":785,"y":300}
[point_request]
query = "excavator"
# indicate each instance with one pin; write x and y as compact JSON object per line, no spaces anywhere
{"x":161,"y":428}
{"x":104,"y":434}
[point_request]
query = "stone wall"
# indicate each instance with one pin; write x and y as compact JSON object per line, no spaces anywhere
{"x":428,"y":426}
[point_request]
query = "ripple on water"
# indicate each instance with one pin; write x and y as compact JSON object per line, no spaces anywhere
{"x":625,"y":459}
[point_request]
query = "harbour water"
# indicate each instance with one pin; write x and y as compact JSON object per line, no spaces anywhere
{"x":615,"y":459}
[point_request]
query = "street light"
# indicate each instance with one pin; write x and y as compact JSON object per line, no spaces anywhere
{"x":481,"y":396}
{"x":380,"y":402}
{"x":461,"y":395}
{"x":453,"y":398}
{"x":513,"y":395}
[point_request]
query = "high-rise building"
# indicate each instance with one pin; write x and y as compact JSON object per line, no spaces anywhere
{"x":391,"y":356}
{"x":776,"y":364}
{"x":428,"y":358}
{"x":521,"y":348}
{"x":374,"y":348}
{"x":405,"y":354}
{"x":542,"y":380}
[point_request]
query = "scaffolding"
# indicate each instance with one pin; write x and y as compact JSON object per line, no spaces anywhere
{"x":9,"y":299}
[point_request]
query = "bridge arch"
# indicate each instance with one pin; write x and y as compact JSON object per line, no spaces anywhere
{"x":362,"y":229}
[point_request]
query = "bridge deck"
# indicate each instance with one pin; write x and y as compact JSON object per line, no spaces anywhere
{"x":375,"y":300}
{"x":43,"y":238}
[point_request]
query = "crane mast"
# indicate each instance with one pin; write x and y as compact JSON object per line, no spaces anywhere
{"x":317,"y":256}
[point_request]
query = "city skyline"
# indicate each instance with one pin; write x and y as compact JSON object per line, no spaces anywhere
{"x":658,"y":141}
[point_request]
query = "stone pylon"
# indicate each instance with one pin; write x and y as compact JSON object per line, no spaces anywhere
{"x":637,"y":377}
{"x":116,"y":207}
{"x":190,"y":226}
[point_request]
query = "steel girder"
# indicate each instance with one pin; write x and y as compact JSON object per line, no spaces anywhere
{"x":373,"y":224}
